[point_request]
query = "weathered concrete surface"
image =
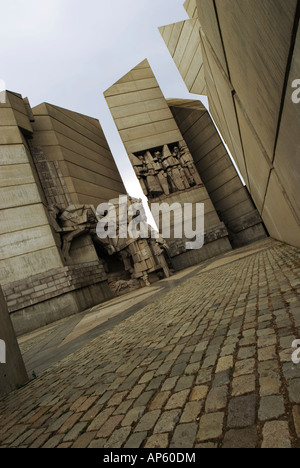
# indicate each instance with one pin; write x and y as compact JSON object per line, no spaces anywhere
{"x":250,"y":58}
{"x":230,"y":198}
{"x":78,"y":155}
{"x":206,"y":365}
{"x":12,"y":370}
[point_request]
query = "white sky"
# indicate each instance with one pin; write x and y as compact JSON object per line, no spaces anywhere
{"x":68,"y":52}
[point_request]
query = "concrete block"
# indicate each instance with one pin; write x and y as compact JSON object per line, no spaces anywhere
{"x":278,"y":216}
{"x":258,"y":34}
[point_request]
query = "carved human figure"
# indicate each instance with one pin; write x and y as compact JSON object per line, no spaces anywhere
{"x":163,"y":179}
{"x":153,"y":184}
{"x":187,"y":162}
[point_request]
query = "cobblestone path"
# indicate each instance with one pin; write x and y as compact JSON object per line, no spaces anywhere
{"x":208,"y":365}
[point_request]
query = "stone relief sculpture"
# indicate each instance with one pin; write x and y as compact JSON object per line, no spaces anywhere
{"x":166,"y":170}
{"x":140,"y":257}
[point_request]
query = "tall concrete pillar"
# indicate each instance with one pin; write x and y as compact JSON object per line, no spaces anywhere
{"x":12,"y":369}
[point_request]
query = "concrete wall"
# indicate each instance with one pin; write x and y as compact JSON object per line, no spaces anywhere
{"x":12,"y":373}
{"x":28,"y":245}
{"x":140,"y":111}
{"x":183,"y":42}
{"x":230,"y":198}
{"x":250,"y":52}
{"x":79,"y":155}
{"x":191,"y":8}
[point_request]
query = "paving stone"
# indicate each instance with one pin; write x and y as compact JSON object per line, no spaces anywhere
{"x":101,"y":419}
{"x":246,"y":353}
{"x":276,"y":435}
{"x":228,"y":350}
{"x":117,"y":399}
{"x":192,"y":369}
{"x":40,"y":441}
{"x":241,"y":438}
{"x":184,"y":383}
{"x":216,"y":399}
{"x":177,"y":400}
{"x":159,"y":400}
{"x":136,"y":392}
{"x":84,"y":440}
{"x":269,"y":381}
{"x":53,"y":442}
{"x":111,"y":424}
{"x":123,"y":408}
{"x":144,"y":399}
{"x":244,"y":367}
{"x":266,"y":354}
{"x":148,"y":421}
{"x":118,"y":438}
{"x":294,"y":390}
{"x":199,"y":393}
{"x":204,"y":376}
{"x":169,"y":384}
{"x":266,"y":341}
{"x":191,"y":411}
{"x":206,"y":445}
{"x":291,"y":371}
{"x":211,"y":426}
{"x":271,"y":407}
{"x":197,"y":357}
{"x":184,"y":436}
{"x":157,"y":441}
{"x":210,"y":361}
{"x":155,"y":383}
{"x":146,"y":378}
{"x":178,"y":370}
{"x":224,"y":364}
{"x":242,"y":411}
{"x":75,"y":432}
{"x":97,"y":444}
{"x":222,"y":378}
{"x":136,"y":440}
{"x":133,"y":415}
{"x":167,"y":421}
{"x":243,"y":385}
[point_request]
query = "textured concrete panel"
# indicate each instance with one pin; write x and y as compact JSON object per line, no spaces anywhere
{"x":23,"y":217}
{"x":220,"y":90}
{"x":256,"y":158}
{"x":279,"y":218}
{"x":209,"y":24}
{"x":191,"y":8}
{"x":13,"y":154}
{"x":25,"y":241}
{"x":231,"y":200}
{"x":24,"y":266}
{"x":77,"y":144}
{"x":186,"y":52}
{"x":287,"y":156}
{"x":147,"y":102}
{"x":258,"y":34}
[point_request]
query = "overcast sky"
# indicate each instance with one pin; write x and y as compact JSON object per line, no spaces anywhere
{"x":68,"y":52}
